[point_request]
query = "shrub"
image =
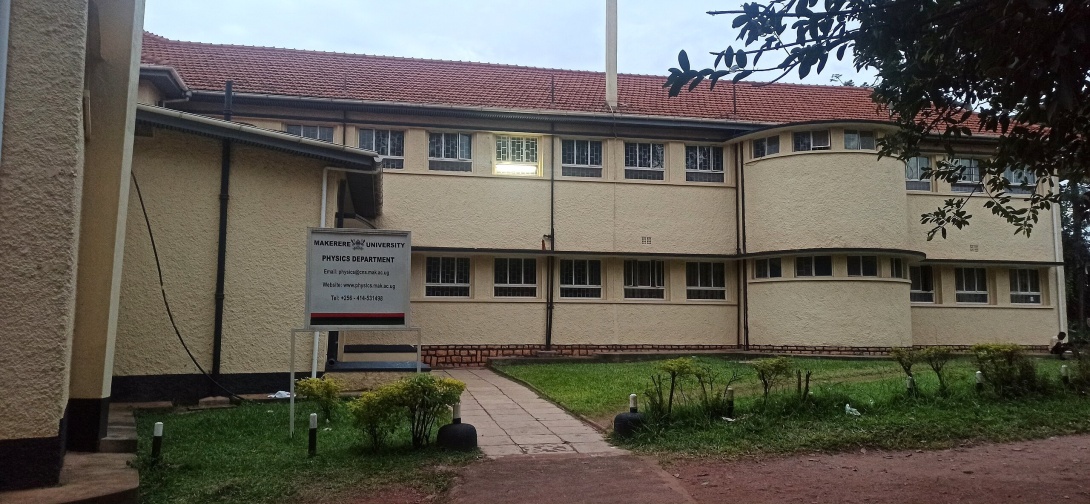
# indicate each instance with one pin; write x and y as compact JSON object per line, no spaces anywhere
{"x":376,"y":413}
{"x":803,"y":388}
{"x":660,"y":403}
{"x":713,"y":389}
{"x":325,"y":391}
{"x":771,"y":371}
{"x":906,"y":357}
{"x":1007,"y":370}
{"x":1079,"y":372}
{"x":937,"y":358}
{"x":424,"y":398}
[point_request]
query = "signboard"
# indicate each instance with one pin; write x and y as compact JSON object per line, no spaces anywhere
{"x":357,"y":279}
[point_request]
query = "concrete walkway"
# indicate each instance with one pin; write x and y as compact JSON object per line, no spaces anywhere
{"x":512,"y":420}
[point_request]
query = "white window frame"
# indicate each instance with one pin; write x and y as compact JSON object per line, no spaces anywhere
{"x":1024,"y":176}
{"x":655,"y":285}
{"x":566,"y":283}
{"x":917,"y":184}
{"x":577,"y":169}
{"x":811,"y":146}
{"x":860,"y":259}
{"x":917,"y":295}
{"x":701,"y":291}
{"x":1022,"y":291}
{"x":467,"y":284}
{"x":896,"y":267}
{"x":967,"y":184}
{"x":658,"y":172}
{"x":961,"y":291}
{"x":705,"y":158}
{"x":762,"y":268}
{"x":860,"y":139}
{"x":496,"y":286}
{"x":394,"y":161}
{"x":318,"y":129}
{"x":462,"y":162}
{"x":766,"y":144}
{"x":517,"y":155}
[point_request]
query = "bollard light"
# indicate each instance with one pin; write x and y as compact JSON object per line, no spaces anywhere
{"x":157,"y":440}
{"x":979,"y":381}
{"x":632,"y":403}
{"x":626,"y":424}
{"x":1064,"y":376}
{"x":456,"y":416}
{"x":730,"y":402}
{"x":457,"y":435}
{"x":312,"y":445}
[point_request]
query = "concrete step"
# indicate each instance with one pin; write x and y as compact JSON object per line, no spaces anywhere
{"x":375,"y":367}
{"x":111,"y":444}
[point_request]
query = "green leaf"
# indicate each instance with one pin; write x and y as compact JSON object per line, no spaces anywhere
{"x":683,"y":60}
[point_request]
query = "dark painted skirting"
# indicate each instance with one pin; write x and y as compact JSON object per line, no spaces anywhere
{"x":189,"y":388}
{"x":31,"y":462}
{"x":87,"y":421}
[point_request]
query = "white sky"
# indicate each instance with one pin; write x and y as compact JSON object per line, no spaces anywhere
{"x":552,"y":33}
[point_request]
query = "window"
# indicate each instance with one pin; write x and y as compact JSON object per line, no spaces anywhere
{"x":447,"y":277}
{"x":970,"y":177}
{"x":766,"y":146}
{"x":516,"y":155}
{"x":1025,"y":286}
{"x":450,"y":152}
{"x":387,"y":143}
{"x":580,"y":278}
{"x":644,"y":161}
{"x":703,"y":163}
{"x":1023,"y":180}
{"x":814,"y":266}
{"x":811,"y":140}
{"x":581,"y":158}
{"x":767,"y":268}
{"x":923,"y":284}
{"x":515,"y":278}
{"x":971,"y":285}
{"x":896,"y":268}
{"x":323,"y":133}
{"x":858,"y":139}
{"x":705,"y":280}
{"x":644,"y":280}
{"x":915,"y":178}
{"x":863,"y":266}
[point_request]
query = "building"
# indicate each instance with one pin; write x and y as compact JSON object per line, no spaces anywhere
{"x":545,"y":218}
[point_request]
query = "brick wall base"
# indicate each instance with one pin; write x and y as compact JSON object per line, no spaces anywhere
{"x":454,"y":356}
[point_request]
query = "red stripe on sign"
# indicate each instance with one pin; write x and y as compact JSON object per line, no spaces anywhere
{"x":357,"y":315}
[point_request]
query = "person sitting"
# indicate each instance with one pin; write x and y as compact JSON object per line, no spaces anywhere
{"x":1059,"y":346}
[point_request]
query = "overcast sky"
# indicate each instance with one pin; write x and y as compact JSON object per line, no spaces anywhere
{"x":553,"y":33}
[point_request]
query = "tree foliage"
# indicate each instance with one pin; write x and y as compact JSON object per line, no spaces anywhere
{"x":946,"y":70}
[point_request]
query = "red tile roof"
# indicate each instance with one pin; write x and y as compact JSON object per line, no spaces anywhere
{"x":317,"y":74}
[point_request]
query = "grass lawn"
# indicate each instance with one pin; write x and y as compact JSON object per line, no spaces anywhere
{"x":889,"y":418}
{"x":243,"y":454}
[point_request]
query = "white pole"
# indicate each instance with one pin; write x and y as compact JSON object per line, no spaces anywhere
{"x":419,"y":351}
{"x":291,"y":389}
{"x":321,"y":221}
{"x":611,"y":53}
{"x":314,"y":357}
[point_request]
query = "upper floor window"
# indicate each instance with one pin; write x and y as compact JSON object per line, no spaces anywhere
{"x":516,"y":155}
{"x":923,"y":284}
{"x":809,"y":266}
{"x":971,"y":285}
{"x":515,"y":277}
{"x":858,"y":139}
{"x":387,"y":143}
{"x":450,"y":151}
{"x":896,"y":267}
{"x":767,"y":268}
{"x":915,"y":178}
{"x":644,"y":161}
{"x":580,"y":278}
{"x":703,"y":163}
{"x":323,"y":133}
{"x":811,"y":140}
{"x":581,"y":158}
{"x":1025,"y":286}
{"x":863,"y":266}
{"x":1022,"y":180}
{"x":705,"y":280}
{"x":446,"y":277}
{"x":766,"y":146}
{"x":970,"y":178}
{"x":644,"y":279}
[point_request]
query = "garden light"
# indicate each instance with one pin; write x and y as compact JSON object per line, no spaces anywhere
{"x":312,"y":445}
{"x":730,"y":402}
{"x":457,"y":435}
{"x":157,"y":440}
{"x":1064,"y":376}
{"x":626,"y":424}
{"x":979,"y":381}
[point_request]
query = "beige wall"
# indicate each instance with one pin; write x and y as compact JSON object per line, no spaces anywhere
{"x":965,"y":325}
{"x":147,"y":93}
{"x":41,"y":177}
{"x":993,"y":236}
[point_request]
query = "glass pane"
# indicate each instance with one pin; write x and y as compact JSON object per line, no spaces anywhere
{"x":580,"y":275}
{"x":760,"y":268}
{"x":397,"y":143}
{"x":450,"y":145}
{"x":804,"y":266}
{"x":759,"y":148}
{"x":325,"y":134}
{"x":717,"y":158}
{"x":802,"y":141}
{"x":631,"y":154}
{"x":644,"y":160}
{"x":692,"y":274}
{"x":595,"y":153}
{"x":854,"y":266}
{"x":446,"y":270}
{"x":851,"y":139}
{"x":774,"y":269}
{"x":431,"y":274}
{"x":463,"y":270}
{"x":823,"y":266}
{"x":435,"y":145}
{"x":310,"y":131}
{"x":927,"y":279}
{"x":567,"y":152}
{"x":866,"y":140}
{"x":870,"y":266}
{"x":295,"y":129}
{"x":567,"y":272}
{"x":718,"y":275}
{"x":692,"y":158}
{"x":595,"y":270}
{"x":518,"y":148}
{"x":367,"y":139}
{"x":529,"y":271}
{"x":500,"y":274}
{"x":382,"y":142}
{"x":772,"y":145}
{"x":658,"y":156}
{"x":465,"y":146}
{"x":820,"y":139}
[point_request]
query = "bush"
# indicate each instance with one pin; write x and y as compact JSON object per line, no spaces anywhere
{"x":937,"y":358}
{"x":906,"y":357}
{"x":675,"y":372}
{"x":713,"y":390}
{"x":771,"y":371}
{"x":1007,"y":370}
{"x":1079,"y":372}
{"x":376,"y":413}
{"x":325,"y":391}
{"x":424,"y":398}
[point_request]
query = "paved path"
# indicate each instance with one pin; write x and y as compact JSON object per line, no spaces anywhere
{"x":512,"y":420}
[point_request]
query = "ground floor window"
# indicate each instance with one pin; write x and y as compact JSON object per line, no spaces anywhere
{"x":809,"y":266}
{"x":971,"y":285}
{"x":515,"y":277}
{"x":580,"y":278}
{"x":705,"y":280}
{"x":446,"y":277}
{"x":863,"y":266}
{"x":644,"y":280}
{"x":767,"y":268}
{"x":1025,"y":286}
{"x":923,"y":284}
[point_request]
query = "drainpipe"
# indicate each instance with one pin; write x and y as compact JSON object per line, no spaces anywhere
{"x":1061,"y":284}
{"x":550,"y":261}
{"x":739,"y":265}
{"x":745,"y":276}
{"x":221,"y":253}
{"x":5,"y":27}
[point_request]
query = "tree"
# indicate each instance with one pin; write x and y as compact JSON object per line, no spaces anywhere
{"x":946,"y":70}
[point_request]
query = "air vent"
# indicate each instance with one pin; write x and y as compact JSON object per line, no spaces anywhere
{"x":645,"y":240}
{"x":974,"y":248}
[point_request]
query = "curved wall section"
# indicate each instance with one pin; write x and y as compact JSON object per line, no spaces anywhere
{"x":831,"y":199}
{"x":834,"y":312}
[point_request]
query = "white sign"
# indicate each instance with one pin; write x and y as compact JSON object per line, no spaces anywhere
{"x":357,"y":278}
